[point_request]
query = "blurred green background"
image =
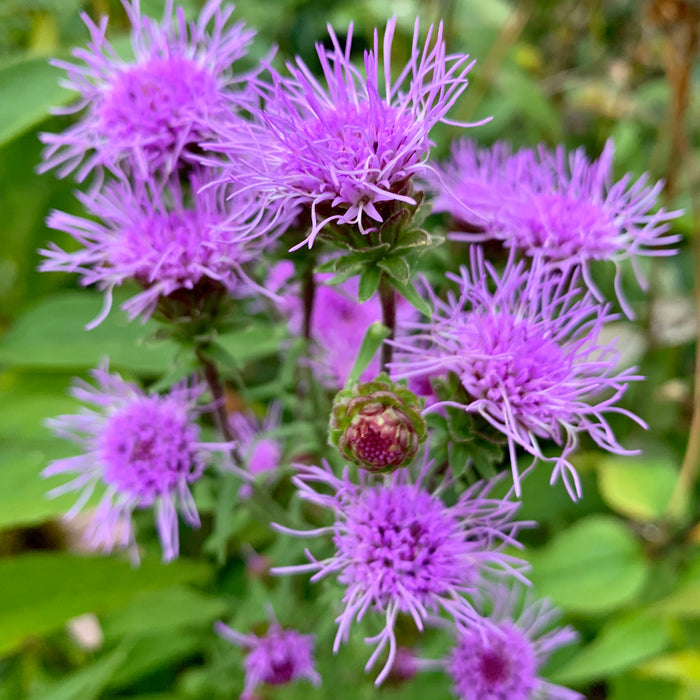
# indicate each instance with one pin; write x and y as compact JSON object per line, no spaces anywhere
{"x":623,"y":564}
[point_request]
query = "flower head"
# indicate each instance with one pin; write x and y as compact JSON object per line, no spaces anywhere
{"x":525,"y":348}
{"x":349,"y":150}
{"x":562,"y":208}
{"x":144,"y":450}
{"x":160,"y":237}
{"x":279,"y":657}
{"x":147,"y":115}
{"x":400,"y":549}
{"x":502,"y":660}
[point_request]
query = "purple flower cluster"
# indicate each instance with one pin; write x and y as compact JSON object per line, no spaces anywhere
{"x":562,"y":209}
{"x":142,"y":451}
{"x":401,"y":550}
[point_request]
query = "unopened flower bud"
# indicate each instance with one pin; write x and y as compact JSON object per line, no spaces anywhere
{"x":378,"y":425}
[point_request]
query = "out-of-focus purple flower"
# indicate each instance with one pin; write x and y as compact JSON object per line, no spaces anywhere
{"x":401,"y":550}
{"x":278,"y":658}
{"x":338,"y":322}
{"x":162,"y":238}
{"x":502,"y":661}
{"x":562,"y":208}
{"x":260,"y":451}
{"x":349,"y":150}
{"x":148,"y":115}
{"x":525,"y":348}
{"x":144,"y":450}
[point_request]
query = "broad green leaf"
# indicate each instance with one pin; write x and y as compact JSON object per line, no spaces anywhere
{"x":396,"y":268}
{"x":621,"y":644}
{"x":594,"y":566}
{"x":253,"y":342}
{"x":23,"y":499}
{"x":683,"y":602}
{"x":163,"y":610}
{"x":630,"y":687}
{"x":374,"y":337}
{"x":28,"y":89}
{"x":42,"y":591}
{"x":637,"y":488}
{"x":52,"y":335}
{"x":89,"y":682}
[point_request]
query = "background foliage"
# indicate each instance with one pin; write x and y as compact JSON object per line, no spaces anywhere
{"x":623,"y":563}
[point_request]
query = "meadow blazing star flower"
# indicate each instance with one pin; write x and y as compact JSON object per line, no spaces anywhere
{"x":148,"y":115}
{"x":162,"y":238}
{"x":401,"y":550}
{"x":349,"y":151}
{"x":561,"y":208}
{"x":338,"y":322}
{"x":279,"y":657}
{"x":501,"y":661}
{"x":144,"y":450}
{"x":525,"y":348}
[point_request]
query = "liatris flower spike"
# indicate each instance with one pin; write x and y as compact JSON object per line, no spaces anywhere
{"x":144,"y":450}
{"x":279,"y":657}
{"x":149,"y":115}
{"x":350,"y":150}
{"x":502,"y":661}
{"x":525,"y":348}
{"x":160,"y":239}
{"x":400,"y":549}
{"x":564,"y":209}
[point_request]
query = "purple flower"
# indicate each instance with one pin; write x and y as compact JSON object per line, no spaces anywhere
{"x":338,"y":322}
{"x":278,"y":658}
{"x":349,"y":150}
{"x":158,"y":238}
{"x":525,"y":348}
{"x":564,"y":209}
{"x":260,"y":451}
{"x":148,"y":114}
{"x":400,"y":549}
{"x":144,"y":450}
{"x":502,"y":661}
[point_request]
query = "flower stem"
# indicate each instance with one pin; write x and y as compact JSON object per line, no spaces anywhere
{"x":387,"y":297}
{"x":308,"y":294}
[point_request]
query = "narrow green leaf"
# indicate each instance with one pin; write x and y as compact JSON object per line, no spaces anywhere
{"x":369,"y":281}
{"x":409,"y":293}
{"x":374,"y":337}
{"x":396,"y":268}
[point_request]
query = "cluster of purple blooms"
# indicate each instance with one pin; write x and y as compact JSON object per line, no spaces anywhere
{"x":200,"y":173}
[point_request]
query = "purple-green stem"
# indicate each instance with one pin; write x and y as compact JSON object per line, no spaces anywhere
{"x":387,"y":297}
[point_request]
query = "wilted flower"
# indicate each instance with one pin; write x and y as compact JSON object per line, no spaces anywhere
{"x":279,"y":657}
{"x":502,"y":661}
{"x":349,"y":150}
{"x":400,"y":549}
{"x":528,"y":357}
{"x":377,"y":425}
{"x":144,"y":450}
{"x":558,"y":207}
{"x":148,"y":115}
{"x":162,"y":238}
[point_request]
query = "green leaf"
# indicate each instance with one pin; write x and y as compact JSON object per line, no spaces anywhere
{"x":255,"y":341}
{"x":409,"y":293}
{"x":28,"y":88}
{"x":683,"y":666}
{"x":88,"y":683}
{"x":369,"y":281}
{"x":374,"y":337}
{"x":52,"y":335}
{"x":630,"y":687}
{"x":42,"y":591}
{"x":594,"y":566}
{"x":396,"y":268}
{"x":620,"y":645}
{"x":637,"y":488}
{"x":162,"y":611}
